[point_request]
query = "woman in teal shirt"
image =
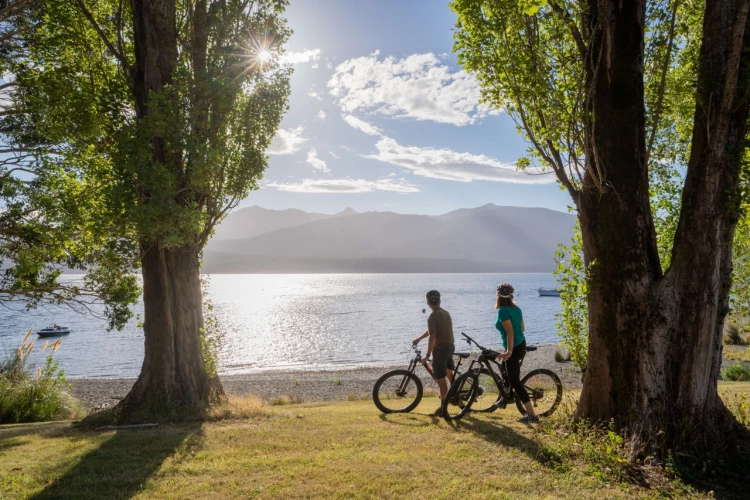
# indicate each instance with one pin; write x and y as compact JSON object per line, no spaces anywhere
{"x":510,"y":325}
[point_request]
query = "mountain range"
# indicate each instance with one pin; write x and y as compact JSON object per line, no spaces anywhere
{"x":489,"y":238}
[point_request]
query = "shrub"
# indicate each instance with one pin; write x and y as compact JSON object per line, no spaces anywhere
{"x":573,"y":319}
{"x":34,"y":396}
{"x":560,"y":357}
{"x":738,"y":372}
{"x":732,"y":335}
{"x":739,"y":405}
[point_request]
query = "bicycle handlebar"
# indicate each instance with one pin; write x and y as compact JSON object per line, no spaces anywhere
{"x":485,"y":352}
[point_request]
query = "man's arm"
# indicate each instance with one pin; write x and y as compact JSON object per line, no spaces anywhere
{"x":432,"y":332}
{"x":419,"y":339}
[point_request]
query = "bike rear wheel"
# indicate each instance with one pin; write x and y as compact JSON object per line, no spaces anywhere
{"x":399,"y":391}
{"x":460,"y":396}
{"x":545,"y":391}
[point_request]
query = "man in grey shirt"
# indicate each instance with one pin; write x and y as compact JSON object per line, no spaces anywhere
{"x":440,"y":346}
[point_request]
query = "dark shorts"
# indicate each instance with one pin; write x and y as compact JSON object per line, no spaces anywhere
{"x":442,"y":361}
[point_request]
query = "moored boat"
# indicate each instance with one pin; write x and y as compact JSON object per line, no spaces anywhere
{"x":548,"y":292}
{"x":53,"y":331}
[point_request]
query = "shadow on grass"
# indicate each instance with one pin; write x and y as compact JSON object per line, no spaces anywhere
{"x":492,"y":430}
{"x":46,"y":429}
{"x":122,"y":465}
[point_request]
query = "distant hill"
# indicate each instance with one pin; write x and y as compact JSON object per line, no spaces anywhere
{"x":484,"y":239}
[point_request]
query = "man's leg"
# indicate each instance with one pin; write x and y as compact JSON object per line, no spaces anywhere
{"x":451,"y":375}
{"x":443,"y":385}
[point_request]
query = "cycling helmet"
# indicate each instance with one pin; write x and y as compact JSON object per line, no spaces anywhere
{"x":433,"y":296}
{"x":505,"y":290}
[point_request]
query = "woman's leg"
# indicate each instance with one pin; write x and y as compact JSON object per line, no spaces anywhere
{"x":513,"y":365}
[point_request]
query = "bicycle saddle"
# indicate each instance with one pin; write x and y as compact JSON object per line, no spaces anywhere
{"x":530,"y":348}
{"x":462,"y":355}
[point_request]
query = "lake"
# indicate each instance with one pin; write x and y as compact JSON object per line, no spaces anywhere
{"x":303,"y":321}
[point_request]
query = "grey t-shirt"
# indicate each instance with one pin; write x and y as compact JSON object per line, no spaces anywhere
{"x":440,"y":325}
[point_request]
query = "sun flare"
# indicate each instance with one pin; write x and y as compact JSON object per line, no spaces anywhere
{"x":264,"y":56}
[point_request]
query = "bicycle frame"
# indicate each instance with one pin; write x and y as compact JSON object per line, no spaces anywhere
{"x":417,"y":360}
{"x":500,"y":376}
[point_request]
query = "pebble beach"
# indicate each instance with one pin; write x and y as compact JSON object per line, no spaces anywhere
{"x":306,"y":385}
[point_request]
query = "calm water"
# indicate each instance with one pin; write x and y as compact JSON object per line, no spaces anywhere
{"x":307,"y":321}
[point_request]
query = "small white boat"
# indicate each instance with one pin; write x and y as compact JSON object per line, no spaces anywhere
{"x":53,"y":331}
{"x":548,"y":292}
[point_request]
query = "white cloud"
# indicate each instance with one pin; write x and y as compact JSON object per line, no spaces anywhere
{"x":362,"y":126}
{"x":314,"y":95}
{"x":419,"y":86}
{"x":306,"y":55}
{"x":322,"y":115}
{"x":315,"y":162}
{"x":450,"y":165}
{"x":346,"y":186}
{"x":287,"y":141}
{"x":333,"y":154}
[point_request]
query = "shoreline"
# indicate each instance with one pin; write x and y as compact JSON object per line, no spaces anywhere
{"x":307,"y":384}
{"x":330,"y":384}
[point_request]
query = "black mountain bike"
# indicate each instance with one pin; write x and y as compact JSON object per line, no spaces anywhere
{"x":400,"y":391}
{"x":484,"y":389}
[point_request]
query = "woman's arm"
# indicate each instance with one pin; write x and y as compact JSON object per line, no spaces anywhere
{"x":523,"y":326}
{"x":509,"y":333}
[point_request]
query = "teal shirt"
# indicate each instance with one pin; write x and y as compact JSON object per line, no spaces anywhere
{"x":515,"y":316}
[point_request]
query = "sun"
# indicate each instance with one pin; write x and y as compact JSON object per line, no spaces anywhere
{"x":264,"y":56}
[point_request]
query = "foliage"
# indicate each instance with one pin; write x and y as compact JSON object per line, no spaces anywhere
{"x":737,"y":373}
{"x":739,"y":405}
{"x":739,"y":298}
{"x":211,"y":335}
{"x":28,"y":395}
{"x":732,"y":335}
{"x":52,"y":218}
{"x":604,"y":452}
{"x":155,"y":167}
{"x":218,"y":120}
{"x":560,"y":357}
{"x":572,"y":325}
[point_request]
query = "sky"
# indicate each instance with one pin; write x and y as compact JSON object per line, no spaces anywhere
{"x":382,"y":118}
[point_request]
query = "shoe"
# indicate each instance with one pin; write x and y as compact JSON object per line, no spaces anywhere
{"x":437,"y":413}
{"x":529,"y":419}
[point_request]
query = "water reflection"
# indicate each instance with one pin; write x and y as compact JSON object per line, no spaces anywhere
{"x":306,"y":321}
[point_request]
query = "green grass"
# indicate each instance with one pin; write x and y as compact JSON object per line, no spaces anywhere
{"x":342,"y":449}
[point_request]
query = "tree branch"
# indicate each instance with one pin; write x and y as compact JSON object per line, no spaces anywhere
{"x":566,"y":17}
{"x":663,"y":82}
{"x":85,"y":11}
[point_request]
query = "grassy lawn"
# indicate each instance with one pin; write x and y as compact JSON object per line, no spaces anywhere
{"x":345,"y":449}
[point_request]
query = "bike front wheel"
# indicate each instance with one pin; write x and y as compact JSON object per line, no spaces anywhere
{"x":399,"y":391}
{"x":460,"y":397}
{"x":545,"y":391}
{"x":487,"y":392}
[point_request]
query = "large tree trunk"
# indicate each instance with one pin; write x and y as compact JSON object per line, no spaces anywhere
{"x":173,"y":368}
{"x":655,"y":339}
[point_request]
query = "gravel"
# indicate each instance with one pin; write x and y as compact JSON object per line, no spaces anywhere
{"x":307,"y":385}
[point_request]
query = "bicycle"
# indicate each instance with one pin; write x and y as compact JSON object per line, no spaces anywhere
{"x":544,"y":387}
{"x":400,"y":391}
